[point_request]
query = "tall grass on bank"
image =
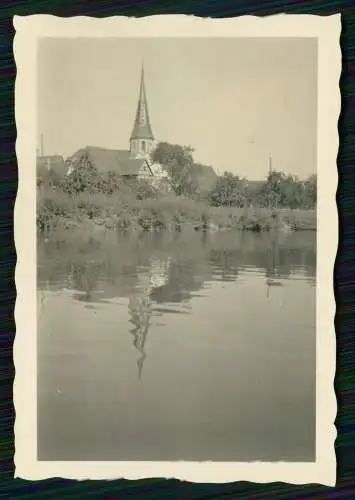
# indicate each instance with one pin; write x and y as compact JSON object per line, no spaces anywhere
{"x":56,"y":209}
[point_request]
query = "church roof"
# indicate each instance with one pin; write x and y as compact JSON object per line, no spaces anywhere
{"x":142,"y":128}
{"x":109,"y":160}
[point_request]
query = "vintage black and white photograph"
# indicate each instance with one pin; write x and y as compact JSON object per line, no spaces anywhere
{"x":177,"y":272}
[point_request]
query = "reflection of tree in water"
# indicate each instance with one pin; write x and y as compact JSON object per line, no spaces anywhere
{"x":184,"y":278}
{"x":282,"y":259}
{"x":85,"y":278}
{"x":228,"y":261}
{"x":118,"y":261}
{"x":112,"y":269}
{"x":272,"y":271}
{"x":140,"y":304}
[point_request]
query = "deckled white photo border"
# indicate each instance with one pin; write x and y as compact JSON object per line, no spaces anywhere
{"x":28,"y":31}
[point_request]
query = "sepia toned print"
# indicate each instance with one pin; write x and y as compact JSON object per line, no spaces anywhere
{"x":177,"y":188}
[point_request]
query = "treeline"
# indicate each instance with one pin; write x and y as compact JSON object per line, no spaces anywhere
{"x":86,"y":178}
{"x":279,"y":190}
{"x":191,"y":180}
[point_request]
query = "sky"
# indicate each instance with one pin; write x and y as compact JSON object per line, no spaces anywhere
{"x":236,"y":101}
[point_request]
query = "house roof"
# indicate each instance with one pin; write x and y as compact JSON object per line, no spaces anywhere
{"x":57,"y":158}
{"x":253,"y":185}
{"x":110,"y":160}
{"x":55,"y":163}
{"x":204,"y":175}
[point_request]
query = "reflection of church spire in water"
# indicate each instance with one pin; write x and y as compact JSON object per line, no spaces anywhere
{"x":140,"y":305}
{"x":140,"y":309}
{"x":140,"y":362}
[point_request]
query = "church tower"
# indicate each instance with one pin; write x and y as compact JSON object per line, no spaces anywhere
{"x":142,"y":138}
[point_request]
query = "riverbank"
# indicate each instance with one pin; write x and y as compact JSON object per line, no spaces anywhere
{"x":56,"y":209}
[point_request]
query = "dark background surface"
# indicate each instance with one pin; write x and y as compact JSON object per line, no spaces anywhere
{"x":344,"y":267}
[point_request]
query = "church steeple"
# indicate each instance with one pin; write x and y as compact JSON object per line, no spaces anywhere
{"x":142,"y":138}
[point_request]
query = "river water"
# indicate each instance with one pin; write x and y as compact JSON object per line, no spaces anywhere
{"x":181,"y":346}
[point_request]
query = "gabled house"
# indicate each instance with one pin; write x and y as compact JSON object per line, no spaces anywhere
{"x":50,"y":170}
{"x":51,"y":162}
{"x":119,"y":162}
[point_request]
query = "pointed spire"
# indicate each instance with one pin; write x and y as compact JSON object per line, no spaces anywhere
{"x":142,"y":128}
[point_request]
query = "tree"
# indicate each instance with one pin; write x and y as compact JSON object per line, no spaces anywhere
{"x":228,"y":191}
{"x":285,"y":190}
{"x":271,"y":193}
{"x":48,"y":178}
{"x":84,"y":177}
{"x":177,"y":162}
{"x":310,"y":187}
{"x":110,"y":183}
{"x":144,"y":189}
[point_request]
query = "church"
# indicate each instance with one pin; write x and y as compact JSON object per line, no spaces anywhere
{"x":134,"y":163}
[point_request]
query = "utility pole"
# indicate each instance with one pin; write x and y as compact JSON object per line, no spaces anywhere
{"x":270,"y":164}
{"x":269,"y":157}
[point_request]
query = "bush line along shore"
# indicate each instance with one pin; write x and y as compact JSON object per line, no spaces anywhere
{"x":58,"y":210}
{"x":88,"y":199}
